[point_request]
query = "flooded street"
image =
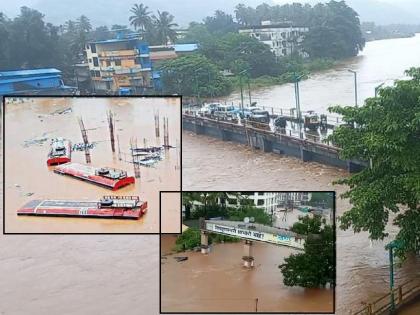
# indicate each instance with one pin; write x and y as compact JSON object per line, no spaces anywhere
{"x":99,"y":274}
{"x":217,"y":282}
{"x":26,"y":167}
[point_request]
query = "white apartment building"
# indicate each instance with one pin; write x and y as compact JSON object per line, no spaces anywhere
{"x":283,"y":38}
{"x":267,"y":201}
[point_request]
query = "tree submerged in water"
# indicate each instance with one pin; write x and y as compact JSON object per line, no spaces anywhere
{"x":387,"y":134}
{"x":315,"y":267}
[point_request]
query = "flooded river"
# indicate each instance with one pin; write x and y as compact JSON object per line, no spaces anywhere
{"x":362,"y":266}
{"x":100,"y":274}
{"x":28,"y":177}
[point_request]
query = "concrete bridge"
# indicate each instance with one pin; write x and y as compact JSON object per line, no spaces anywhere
{"x":249,"y":232}
{"x":269,"y":141}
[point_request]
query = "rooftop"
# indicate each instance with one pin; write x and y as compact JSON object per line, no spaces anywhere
{"x":29,"y":72}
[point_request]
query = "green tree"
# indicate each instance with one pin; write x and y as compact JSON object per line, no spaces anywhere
{"x":141,"y":17}
{"x":164,"y":28}
{"x":191,"y":75}
{"x":315,"y":267}
{"x":387,"y":133}
{"x":334,"y":32}
{"x":220,"y":23}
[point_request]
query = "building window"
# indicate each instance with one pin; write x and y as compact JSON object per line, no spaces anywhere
{"x":87,"y":46}
{"x":92,"y":73}
{"x":118,"y":62}
{"x":260,"y":202}
{"x":108,"y":63}
{"x":90,"y":60}
{"x":95,"y":61}
{"x":97,"y":73}
{"x":93,"y":48}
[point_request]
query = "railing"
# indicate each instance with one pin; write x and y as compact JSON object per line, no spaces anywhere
{"x":118,"y":53}
{"x":307,"y":137}
{"x":402,"y":293}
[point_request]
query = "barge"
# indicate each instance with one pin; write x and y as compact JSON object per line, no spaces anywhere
{"x":60,"y":152}
{"x":107,"y":177}
{"x":108,"y":207}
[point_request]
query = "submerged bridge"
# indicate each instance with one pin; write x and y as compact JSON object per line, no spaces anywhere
{"x":249,"y":232}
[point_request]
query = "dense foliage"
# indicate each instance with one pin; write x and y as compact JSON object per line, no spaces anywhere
{"x":213,"y":204}
{"x":315,"y":267}
{"x":191,"y":238}
{"x":193,"y":75}
{"x":334,"y":27}
{"x":387,"y":133}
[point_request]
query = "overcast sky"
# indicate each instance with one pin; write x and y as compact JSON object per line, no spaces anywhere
{"x":108,"y":12}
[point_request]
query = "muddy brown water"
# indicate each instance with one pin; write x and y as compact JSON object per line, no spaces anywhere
{"x":100,"y":274}
{"x":26,"y":171}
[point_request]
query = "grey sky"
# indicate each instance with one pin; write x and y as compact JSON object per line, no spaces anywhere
{"x":108,"y":12}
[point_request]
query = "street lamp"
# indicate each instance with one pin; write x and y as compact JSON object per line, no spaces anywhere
{"x":355,"y":85}
{"x":297,"y":98}
{"x":390,"y":246}
{"x":242,"y":92}
{"x":377,"y":88}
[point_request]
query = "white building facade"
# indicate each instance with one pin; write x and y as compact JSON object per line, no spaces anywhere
{"x":283,"y":38}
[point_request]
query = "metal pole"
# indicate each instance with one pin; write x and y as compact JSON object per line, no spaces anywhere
{"x":249,"y":92}
{"x":391,"y":277}
{"x":355,"y":85}
{"x":355,"y":88}
{"x":242,"y":93}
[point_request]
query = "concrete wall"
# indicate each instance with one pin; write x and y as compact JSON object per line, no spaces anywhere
{"x":270,"y":143}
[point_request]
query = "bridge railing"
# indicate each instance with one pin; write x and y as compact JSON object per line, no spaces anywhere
{"x":402,"y":293}
{"x":265,"y":128}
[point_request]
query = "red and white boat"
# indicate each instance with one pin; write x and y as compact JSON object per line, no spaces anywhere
{"x":109,"y":207}
{"x":103,"y":176}
{"x":60,"y":152}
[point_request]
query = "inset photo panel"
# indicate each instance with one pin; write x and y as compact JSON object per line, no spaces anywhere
{"x":251,"y":252}
{"x":89,"y":164}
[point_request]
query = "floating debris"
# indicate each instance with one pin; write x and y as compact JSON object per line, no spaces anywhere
{"x":62,"y":111}
{"x":29,"y":194}
{"x":82,"y":146}
{"x":180,"y":258}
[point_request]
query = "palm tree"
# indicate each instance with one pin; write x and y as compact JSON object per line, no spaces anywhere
{"x":164,"y":27}
{"x":141,"y":18}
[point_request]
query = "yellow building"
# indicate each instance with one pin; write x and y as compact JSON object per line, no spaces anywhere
{"x":119,"y":63}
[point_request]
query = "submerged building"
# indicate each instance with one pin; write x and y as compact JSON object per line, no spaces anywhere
{"x":284,"y":39}
{"x":119,"y":64}
{"x":34,"y":81}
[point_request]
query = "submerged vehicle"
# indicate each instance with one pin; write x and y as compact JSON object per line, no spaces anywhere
{"x":311,"y":120}
{"x":110,"y":207}
{"x":259,"y":119}
{"x":103,"y":176}
{"x":60,"y":152}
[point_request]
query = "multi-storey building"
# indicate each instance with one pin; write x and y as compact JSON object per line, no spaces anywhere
{"x":283,"y":38}
{"x":267,"y":201}
{"x":119,"y":63}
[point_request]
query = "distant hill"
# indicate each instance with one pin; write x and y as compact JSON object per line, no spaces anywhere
{"x":108,"y":12}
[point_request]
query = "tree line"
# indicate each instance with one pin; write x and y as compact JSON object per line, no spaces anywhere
{"x":334,"y":32}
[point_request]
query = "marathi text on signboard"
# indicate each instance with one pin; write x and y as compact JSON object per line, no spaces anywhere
{"x":256,"y":235}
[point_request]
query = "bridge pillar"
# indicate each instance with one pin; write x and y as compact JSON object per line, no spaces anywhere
{"x":305,"y":155}
{"x":204,"y":242}
{"x":198,"y":129}
{"x":267,"y":145}
{"x":248,"y":257}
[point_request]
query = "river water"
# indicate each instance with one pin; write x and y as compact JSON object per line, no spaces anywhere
{"x":27,"y":173}
{"x":208,"y":164}
{"x":118,"y":274}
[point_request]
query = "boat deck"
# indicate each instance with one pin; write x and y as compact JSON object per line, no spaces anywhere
{"x":120,"y":208}
{"x":114,"y":180}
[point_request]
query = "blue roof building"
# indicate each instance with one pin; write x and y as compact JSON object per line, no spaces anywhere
{"x":34,"y":81}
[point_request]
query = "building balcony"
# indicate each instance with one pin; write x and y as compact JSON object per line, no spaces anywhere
{"x":119,"y":53}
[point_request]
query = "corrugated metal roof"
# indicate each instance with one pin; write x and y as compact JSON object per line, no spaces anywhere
{"x":13,"y":80}
{"x":29,"y":72}
{"x":185,"y":47}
